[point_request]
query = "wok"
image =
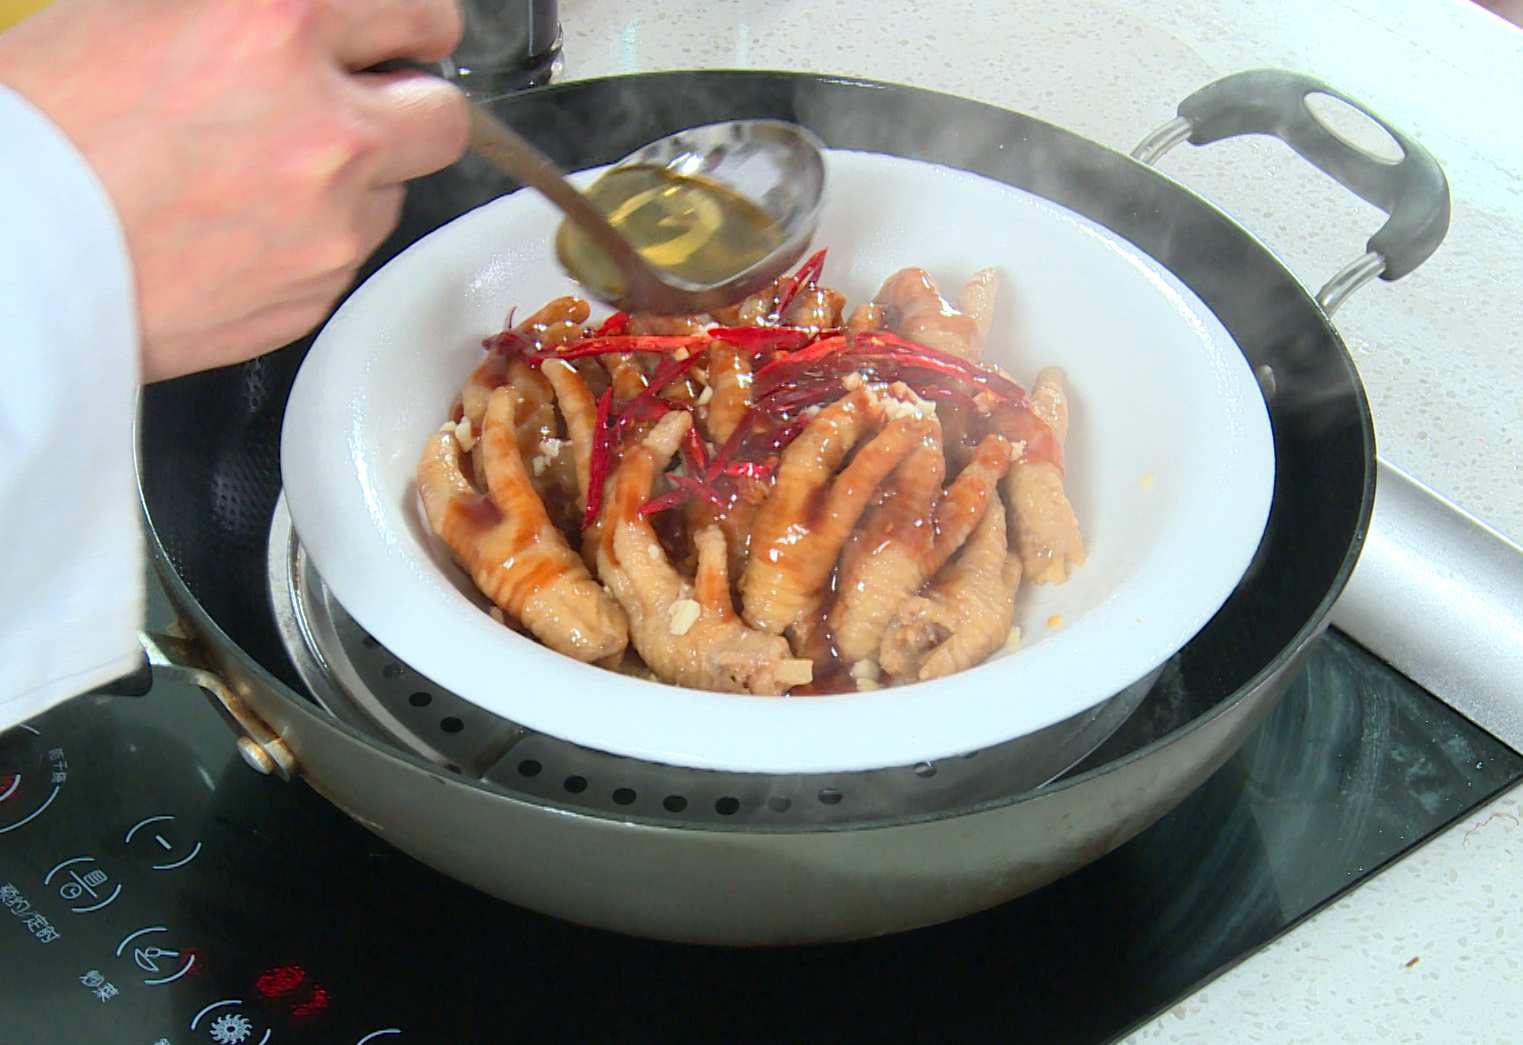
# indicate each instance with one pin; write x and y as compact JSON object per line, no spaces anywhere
{"x":590,"y":837}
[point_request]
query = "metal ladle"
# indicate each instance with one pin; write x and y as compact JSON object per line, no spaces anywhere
{"x":778,"y":166}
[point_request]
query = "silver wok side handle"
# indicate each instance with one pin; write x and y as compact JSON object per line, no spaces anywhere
{"x":173,"y":656}
{"x":1413,"y":191}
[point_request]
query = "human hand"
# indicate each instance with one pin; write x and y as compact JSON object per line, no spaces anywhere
{"x":252,"y":164}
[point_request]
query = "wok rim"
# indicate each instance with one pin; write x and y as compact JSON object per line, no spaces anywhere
{"x":1310,"y":628}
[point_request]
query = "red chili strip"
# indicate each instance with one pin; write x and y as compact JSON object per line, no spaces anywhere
{"x":884,"y":357}
{"x":789,"y":399}
{"x":687,"y":489}
{"x":510,"y":344}
{"x":665,"y":502}
{"x":920,"y":374}
{"x":598,"y":345}
{"x":787,"y":433}
{"x":641,"y":407}
{"x":782,"y":369}
{"x":697,"y":489}
{"x":807,"y":275}
{"x":618,"y":323}
{"x":696,"y":483}
{"x":947,"y":363}
{"x":693,"y":450}
{"x":745,"y":441}
{"x":643,"y":410}
{"x":597,"y":464}
{"x":733,"y":444}
{"x":757,"y":340}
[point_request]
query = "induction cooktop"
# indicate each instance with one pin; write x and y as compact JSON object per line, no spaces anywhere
{"x":156,"y":891}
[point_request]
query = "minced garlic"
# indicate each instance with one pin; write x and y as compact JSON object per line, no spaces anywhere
{"x":795,"y":671}
{"x":465,"y":435}
{"x":865,"y":669}
{"x":683,"y":615}
{"x":896,"y":409}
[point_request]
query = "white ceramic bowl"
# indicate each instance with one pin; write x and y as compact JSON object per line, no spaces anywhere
{"x":1170,"y":468}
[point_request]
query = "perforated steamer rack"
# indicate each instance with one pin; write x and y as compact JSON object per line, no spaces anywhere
{"x":360,"y":682}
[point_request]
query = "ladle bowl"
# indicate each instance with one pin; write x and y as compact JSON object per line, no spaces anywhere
{"x":777,"y":165}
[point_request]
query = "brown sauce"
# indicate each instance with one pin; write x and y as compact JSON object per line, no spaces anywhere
{"x":478,"y":511}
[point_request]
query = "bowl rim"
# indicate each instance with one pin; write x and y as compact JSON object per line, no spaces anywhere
{"x":740,"y":750}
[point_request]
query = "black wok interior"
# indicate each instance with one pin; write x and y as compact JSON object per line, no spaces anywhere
{"x":210,"y":442}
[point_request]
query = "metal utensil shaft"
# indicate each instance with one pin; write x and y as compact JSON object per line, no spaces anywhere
{"x":515,"y":157}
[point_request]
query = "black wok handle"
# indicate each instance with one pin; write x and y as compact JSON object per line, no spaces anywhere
{"x":1412,"y":191}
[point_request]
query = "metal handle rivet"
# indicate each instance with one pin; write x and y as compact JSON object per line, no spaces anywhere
{"x":256,"y":757}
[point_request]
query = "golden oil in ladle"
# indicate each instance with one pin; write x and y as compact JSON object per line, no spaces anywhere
{"x":689,"y":226}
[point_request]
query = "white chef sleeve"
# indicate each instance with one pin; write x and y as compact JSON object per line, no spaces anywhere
{"x":71,"y":546}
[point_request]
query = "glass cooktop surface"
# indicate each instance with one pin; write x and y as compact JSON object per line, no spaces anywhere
{"x":155,"y":891}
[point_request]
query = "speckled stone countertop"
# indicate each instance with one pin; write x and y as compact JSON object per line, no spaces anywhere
{"x":1440,"y":352}
{"x":1431,"y":949}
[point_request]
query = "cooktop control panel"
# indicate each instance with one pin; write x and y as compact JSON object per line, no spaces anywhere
{"x":126,"y":912}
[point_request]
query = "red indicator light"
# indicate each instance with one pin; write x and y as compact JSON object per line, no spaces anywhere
{"x":277,"y":983}
{"x":280,"y":981}
{"x":313,"y":1005}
